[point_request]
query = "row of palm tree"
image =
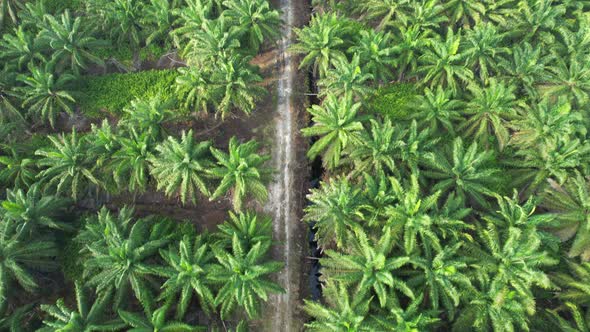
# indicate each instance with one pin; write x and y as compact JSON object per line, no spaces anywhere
{"x":463,"y":208}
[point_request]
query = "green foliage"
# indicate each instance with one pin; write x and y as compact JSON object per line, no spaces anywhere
{"x":155,"y":321}
{"x":392,"y":100}
{"x":114,"y":92}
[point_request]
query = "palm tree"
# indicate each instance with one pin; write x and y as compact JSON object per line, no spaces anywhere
{"x":17,"y":168}
{"x":443,"y":278}
{"x":121,"y":260}
{"x":570,"y":203}
{"x":345,"y":312}
{"x":442,"y":62}
{"x":526,"y":66}
{"x":411,"y":318}
{"x":438,"y":109}
{"x":32,"y":211}
{"x":254,"y":18}
{"x":570,"y":79}
{"x":572,"y":283}
{"x":7,"y":96}
{"x":385,"y":11}
{"x":46,"y":94}
{"x":335,"y":209}
{"x":235,"y":81}
{"x":377,"y":196}
{"x":369,"y":264}
{"x":20,"y":256}
{"x":580,"y":319}
{"x":158,"y":19}
{"x":104,"y":142}
{"x":413,"y":145}
{"x":346,"y":78}
{"x":321,"y":42}
{"x":376,"y":53}
{"x":242,"y":275}
{"x":86,"y":317}
{"x":131,"y":162}
{"x":187,"y":265}
{"x":190,"y":18}
{"x":464,"y":12}
{"x":194,"y":86}
{"x":249,"y":226}
{"x":482,"y":48}
{"x":213,"y":42}
{"x":70,"y":41}
{"x":66,"y":165}
{"x":466,"y":173}
{"x":337,"y":122}
{"x":20,"y":48}
{"x":123,"y":21}
{"x":155,"y":321}
{"x":9,"y":10}
{"x":536,"y":20}
{"x":408,"y":45}
{"x":428,"y":15}
{"x":242,"y":171}
{"x":147,"y":117}
{"x":180,"y":166}
{"x":16,"y":321}
{"x":488,"y":111}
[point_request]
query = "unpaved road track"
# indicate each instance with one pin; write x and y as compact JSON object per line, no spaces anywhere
{"x":286,"y":191}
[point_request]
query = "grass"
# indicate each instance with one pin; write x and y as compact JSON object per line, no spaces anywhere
{"x":391,"y":100}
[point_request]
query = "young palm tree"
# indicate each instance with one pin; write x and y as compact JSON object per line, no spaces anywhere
{"x":155,"y":321}
{"x":255,"y":19}
{"x":9,"y":10}
{"x":408,"y":45}
{"x":444,"y":278}
{"x":186,"y":271}
{"x":20,"y":49}
{"x":439,"y":109}
{"x":147,"y":117}
{"x":570,"y":203}
{"x":235,"y":81}
{"x":377,"y":196}
{"x":86,"y":317}
{"x":17,"y":168}
{"x":16,"y":321}
{"x":536,"y":20}
{"x":482,"y":48}
{"x":241,"y":171}
{"x":369,"y":265}
{"x":104,"y":142}
{"x":45,"y":94}
{"x":131,"y":162}
{"x":321,"y":42}
{"x":120,"y":261}
{"x":8,"y":111}
{"x":526,"y":66}
{"x":242,"y":275}
{"x":335,"y":209}
{"x":213,"y":42}
{"x":467,"y":173}
{"x":442,"y":63}
{"x":488,"y":111}
{"x":122,"y":21}
{"x":191,"y":17}
{"x":70,"y":42}
{"x":158,"y":19}
{"x":376,"y":53}
{"x":180,"y":166}
{"x":580,"y":319}
{"x":377,"y":149}
{"x":415,"y":145}
{"x":428,"y":15}
{"x":250,"y":228}
{"x":32,"y":210}
{"x":194,"y":86}
{"x":337,"y":122}
{"x":66,"y":166}
{"x":465,"y":12}
{"x":570,"y":79}
{"x":346,"y":78}
{"x":411,"y":318}
{"x":345,"y":311}
{"x":20,"y":256}
{"x":386,"y":12}
{"x":572,"y":283}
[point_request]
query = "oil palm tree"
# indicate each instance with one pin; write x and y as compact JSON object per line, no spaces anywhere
{"x":20,"y":257}
{"x":483,"y":46}
{"x":570,"y":203}
{"x":570,"y":79}
{"x":185,"y":271}
{"x":213,"y":42}
{"x":123,"y":21}
{"x":438,"y":110}
{"x":32,"y":211}
{"x":468,"y":173}
{"x":155,"y":321}
{"x":255,"y":19}
{"x":243,"y":277}
{"x":17,"y":168}
{"x":9,"y":11}
{"x":579,"y":322}
{"x":130,"y":163}
{"x":386,"y":12}
{"x":71,"y":42}
{"x":180,"y":166}
{"x":241,"y":171}
{"x":147,"y":117}
{"x":16,"y":320}
{"x":46,"y":94}
{"x":343,"y":312}
{"x":442,"y":62}
{"x":408,"y":45}
{"x":86,"y":317}
{"x":321,"y":42}
{"x":120,"y":261}
{"x":337,"y":123}
{"x":8,"y":110}
{"x":235,"y":81}
{"x":376,"y":53}
{"x":20,"y":48}
{"x":536,"y":20}
{"x":571,"y":282}
{"x":369,"y":265}
{"x":66,"y":165}
{"x":489,"y":109}
{"x":525,"y":67}
{"x":190,"y":18}
{"x":103,"y":141}
{"x":335,"y":209}
{"x":346,"y":78}
{"x":194,"y":86}
{"x":249,"y":226}
{"x":158,"y":19}
{"x":465,"y":12}
{"x":410,"y":318}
